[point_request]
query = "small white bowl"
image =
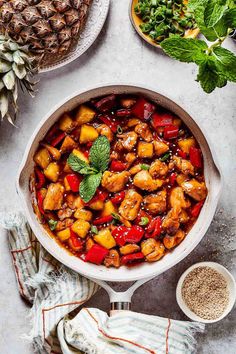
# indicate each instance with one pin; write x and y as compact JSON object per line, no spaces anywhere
{"x":230,"y":283}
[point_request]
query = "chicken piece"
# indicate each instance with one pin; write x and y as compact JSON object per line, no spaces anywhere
{"x":103,"y":129}
{"x":158,"y":169}
{"x":156,"y":203}
{"x":129,"y":140}
{"x":130,"y":158}
{"x":73,"y":201}
{"x":65,"y":213}
{"x":133,"y":122}
{"x":135,"y":169}
{"x":144,"y":131}
{"x":129,"y":248}
{"x":115,"y":181}
{"x":145,"y":150}
{"x":64,"y":224}
{"x":130,"y":206}
{"x":171,"y":222}
{"x":183,"y":217}
{"x":183,"y":165}
{"x":173,"y":241}
{"x":152,"y":249}
{"x":144,"y":180}
{"x":160,"y":147}
{"x":181,"y":178}
{"x":177,"y":199}
{"x":68,"y":145}
{"x":54,"y":197}
{"x":112,"y":259}
{"x":196,"y":190}
{"x":127,"y":102}
{"x":114,"y":155}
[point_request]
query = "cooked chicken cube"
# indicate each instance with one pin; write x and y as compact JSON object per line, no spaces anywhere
{"x":183,"y":165}
{"x":158,"y":169}
{"x":115,"y":181}
{"x":144,"y":180}
{"x":73,"y":201}
{"x":103,"y":129}
{"x":145,"y":150}
{"x":177,"y":199}
{"x":133,"y":122}
{"x":130,"y":206}
{"x":129,"y":140}
{"x":130,"y":158}
{"x":173,"y":241}
{"x":196,"y":190}
{"x":171,"y":222}
{"x":54,"y":197}
{"x":135,"y":169}
{"x":152,"y":249}
{"x":112,"y":259}
{"x":127,"y":102}
{"x":160,"y":147}
{"x":129,"y":248}
{"x":64,"y":224}
{"x":144,"y":131}
{"x":181,"y":178}
{"x":68,"y":145}
{"x":183,"y":217}
{"x":156,"y":203}
{"x":65,"y":213}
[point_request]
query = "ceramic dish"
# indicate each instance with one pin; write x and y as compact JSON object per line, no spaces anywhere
{"x":231,"y":287}
{"x":136,"y":22}
{"x":94,"y":24}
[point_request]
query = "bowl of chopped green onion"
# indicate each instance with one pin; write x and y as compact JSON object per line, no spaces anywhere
{"x":156,"y":20}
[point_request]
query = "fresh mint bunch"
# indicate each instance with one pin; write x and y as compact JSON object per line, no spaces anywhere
{"x":99,"y":159}
{"x":217,"y":65}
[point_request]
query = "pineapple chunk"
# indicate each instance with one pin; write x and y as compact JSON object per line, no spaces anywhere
{"x":145,"y":150}
{"x":83,"y":214}
{"x":160,"y":147}
{"x":66,"y":123}
{"x":84,"y":114}
{"x":97,"y":205}
{"x":81,"y":228}
{"x":42,"y":158}
{"x":108,"y":209}
{"x":105,"y":238}
{"x":87,"y":134}
{"x":52,"y":171}
{"x":66,"y":184}
{"x":80,"y":155}
{"x":64,"y":234}
{"x":68,"y":144}
{"x":186,"y":144}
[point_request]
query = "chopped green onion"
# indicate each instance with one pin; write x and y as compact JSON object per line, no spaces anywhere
{"x":144,"y":221}
{"x":52,"y":224}
{"x":144,"y":166}
{"x":119,"y":130}
{"x":115,"y":216}
{"x":165,"y":157}
{"x":94,"y":229}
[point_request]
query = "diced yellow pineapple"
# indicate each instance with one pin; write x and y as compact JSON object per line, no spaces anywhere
{"x":66,"y":123}
{"x":68,"y":144}
{"x":84,"y":114}
{"x":160,"y":147}
{"x":145,"y":150}
{"x":78,"y":203}
{"x":64,"y":234}
{"x":83,"y":214}
{"x":186,"y":144}
{"x":108,"y":209}
{"x":97,"y":205}
{"x":87,"y":134}
{"x":105,"y":238}
{"x":52,"y":171}
{"x":80,"y":155}
{"x":81,"y":228}
{"x":66,"y":184}
{"x":42,"y":158}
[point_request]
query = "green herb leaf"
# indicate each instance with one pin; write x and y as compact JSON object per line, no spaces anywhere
{"x":78,"y":165}
{"x":231,"y":18}
{"x":221,"y":82}
{"x":94,"y":229}
{"x":144,"y":166}
{"x":207,"y":77}
{"x":52,"y":224}
{"x":225,"y":62}
{"x":186,"y":50}
{"x":214,"y":11}
{"x":165,"y":157}
{"x":144,"y":221}
{"x":89,"y":186}
{"x":100,"y":153}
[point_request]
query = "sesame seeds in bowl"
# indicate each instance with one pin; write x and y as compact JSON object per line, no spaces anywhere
{"x":206,"y":292}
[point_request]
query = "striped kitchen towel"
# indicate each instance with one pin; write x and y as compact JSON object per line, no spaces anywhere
{"x":55,"y":292}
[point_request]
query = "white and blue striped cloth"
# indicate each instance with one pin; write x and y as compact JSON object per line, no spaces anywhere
{"x":55,"y":291}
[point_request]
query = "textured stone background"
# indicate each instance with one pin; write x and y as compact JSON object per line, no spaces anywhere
{"x":120,"y":55}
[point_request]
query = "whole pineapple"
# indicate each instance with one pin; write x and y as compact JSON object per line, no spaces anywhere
{"x":17,"y":68}
{"x":50,"y":28}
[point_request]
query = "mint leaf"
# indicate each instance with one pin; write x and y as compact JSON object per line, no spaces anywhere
{"x":89,"y":186}
{"x":213,"y":12}
{"x":231,"y":18}
{"x":221,"y":82}
{"x":225,"y":62}
{"x":185,"y":49}
{"x":207,"y":77}
{"x":100,"y":153}
{"x":78,"y":165}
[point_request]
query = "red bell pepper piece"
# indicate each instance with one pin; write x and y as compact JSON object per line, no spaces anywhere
{"x":55,"y":141}
{"x":162,"y":120}
{"x":181,"y":154}
{"x":118,"y":166}
{"x":171,"y":132}
{"x":130,"y":258}
{"x":197,"y":208}
{"x":100,"y":195}
{"x":123,"y":113}
{"x":106,"y":103}
{"x":103,"y":220}
{"x":154,"y":228}
{"x":195,"y":155}
{"x":96,"y":254}
{"x":173,"y":177}
{"x":74,"y":182}
{"x":41,"y":180}
{"x":119,"y":234}
{"x":118,"y":197}
{"x":77,"y":243}
{"x":108,"y":121}
{"x":134,"y":234}
{"x":143,"y":109}
{"x":40,"y":200}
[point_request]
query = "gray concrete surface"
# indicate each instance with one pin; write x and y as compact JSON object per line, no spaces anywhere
{"x":120,"y":55}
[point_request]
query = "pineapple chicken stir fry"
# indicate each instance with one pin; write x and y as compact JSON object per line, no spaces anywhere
{"x":131,"y":199}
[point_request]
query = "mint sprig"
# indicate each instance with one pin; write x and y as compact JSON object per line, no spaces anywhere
{"x":99,"y":159}
{"x":217,"y":65}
